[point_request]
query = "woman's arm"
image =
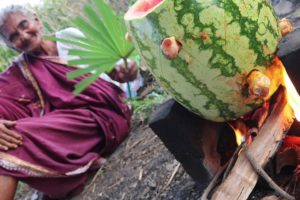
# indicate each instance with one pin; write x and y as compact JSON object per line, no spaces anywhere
{"x":9,"y":139}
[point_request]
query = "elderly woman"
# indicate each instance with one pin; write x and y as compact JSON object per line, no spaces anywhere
{"x":50,"y":138}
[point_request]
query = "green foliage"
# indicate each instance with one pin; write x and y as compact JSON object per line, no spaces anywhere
{"x":121,"y":6}
{"x":131,"y":2}
{"x":6,"y":57}
{"x":144,"y":107}
{"x":57,"y":14}
{"x":103,"y":45}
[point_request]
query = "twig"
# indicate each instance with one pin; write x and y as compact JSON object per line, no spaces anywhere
{"x":136,"y":143}
{"x":141,"y":174}
{"x":123,"y":195}
{"x":103,"y":194}
{"x":94,"y":178}
{"x":117,"y":183}
{"x":264,"y":175}
{"x":173,"y":175}
{"x":94,"y":187}
{"x":97,"y":174}
{"x":273,"y":197}
{"x":213,"y":182}
{"x":232,"y":161}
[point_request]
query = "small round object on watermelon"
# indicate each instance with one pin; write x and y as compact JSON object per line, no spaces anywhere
{"x":285,"y":26}
{"x":258,"y":84}
{"x":221,"y":43}
{"x":170,"y":47}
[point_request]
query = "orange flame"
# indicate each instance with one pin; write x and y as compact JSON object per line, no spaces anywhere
{"x":239,"y":136}
{"x":292,"y":95}
{"x":239,"y":129}
{"x":277,"y":73}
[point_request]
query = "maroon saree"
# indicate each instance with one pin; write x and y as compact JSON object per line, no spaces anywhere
{"x":64,"y":135}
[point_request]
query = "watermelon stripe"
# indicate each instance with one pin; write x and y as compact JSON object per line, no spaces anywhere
{"x":223,"y":108}
{"x":222,"y":41}
{"x":226,"y":65}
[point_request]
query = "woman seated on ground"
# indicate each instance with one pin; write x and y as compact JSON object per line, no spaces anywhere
{"x":50,"y":138}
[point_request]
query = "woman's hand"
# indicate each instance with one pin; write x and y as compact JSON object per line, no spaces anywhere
{"x":122,"y":74}
{"x":9,"y":139}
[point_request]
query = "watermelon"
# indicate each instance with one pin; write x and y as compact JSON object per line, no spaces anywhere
{"x":202,"y":51}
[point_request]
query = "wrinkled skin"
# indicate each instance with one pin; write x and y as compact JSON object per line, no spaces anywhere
{"x":24,"y":33}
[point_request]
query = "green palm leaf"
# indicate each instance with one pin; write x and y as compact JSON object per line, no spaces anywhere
{"x":86,"y":82}
{"x":86,"y":70}
{"x":103,"y":45}
{"x":101,"y":29}
{"x":114,"y":25}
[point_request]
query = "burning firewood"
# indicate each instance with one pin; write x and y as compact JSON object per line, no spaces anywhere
{"x":243,"y":177}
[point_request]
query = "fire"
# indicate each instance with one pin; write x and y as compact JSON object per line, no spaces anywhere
{"x":239,"y":136}
{"x":277,"y":73}
{"x":292,"y":95}
{"x":239,"y":129}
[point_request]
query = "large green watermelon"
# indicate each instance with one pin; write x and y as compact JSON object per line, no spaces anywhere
{"x":220,"y":42}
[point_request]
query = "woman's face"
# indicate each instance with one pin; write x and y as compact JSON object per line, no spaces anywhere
{"x":23,"y":33}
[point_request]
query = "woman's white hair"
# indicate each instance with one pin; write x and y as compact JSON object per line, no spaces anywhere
{"x":5,"y":12}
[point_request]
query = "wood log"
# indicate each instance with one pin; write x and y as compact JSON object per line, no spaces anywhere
{"x":243,"y":178}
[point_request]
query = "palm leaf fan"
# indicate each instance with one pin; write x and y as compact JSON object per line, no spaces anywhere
{"x":103,"y":45}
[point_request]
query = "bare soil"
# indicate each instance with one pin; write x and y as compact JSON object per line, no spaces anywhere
{"x":141,"y":168}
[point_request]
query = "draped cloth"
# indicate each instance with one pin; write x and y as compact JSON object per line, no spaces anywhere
{"x":65,"y":136}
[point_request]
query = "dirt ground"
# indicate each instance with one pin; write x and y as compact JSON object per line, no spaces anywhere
{"x":141,"y":168}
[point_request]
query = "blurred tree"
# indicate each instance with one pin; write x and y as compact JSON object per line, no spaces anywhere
{"x":58,"y":14}
{"x":6,"y":56}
